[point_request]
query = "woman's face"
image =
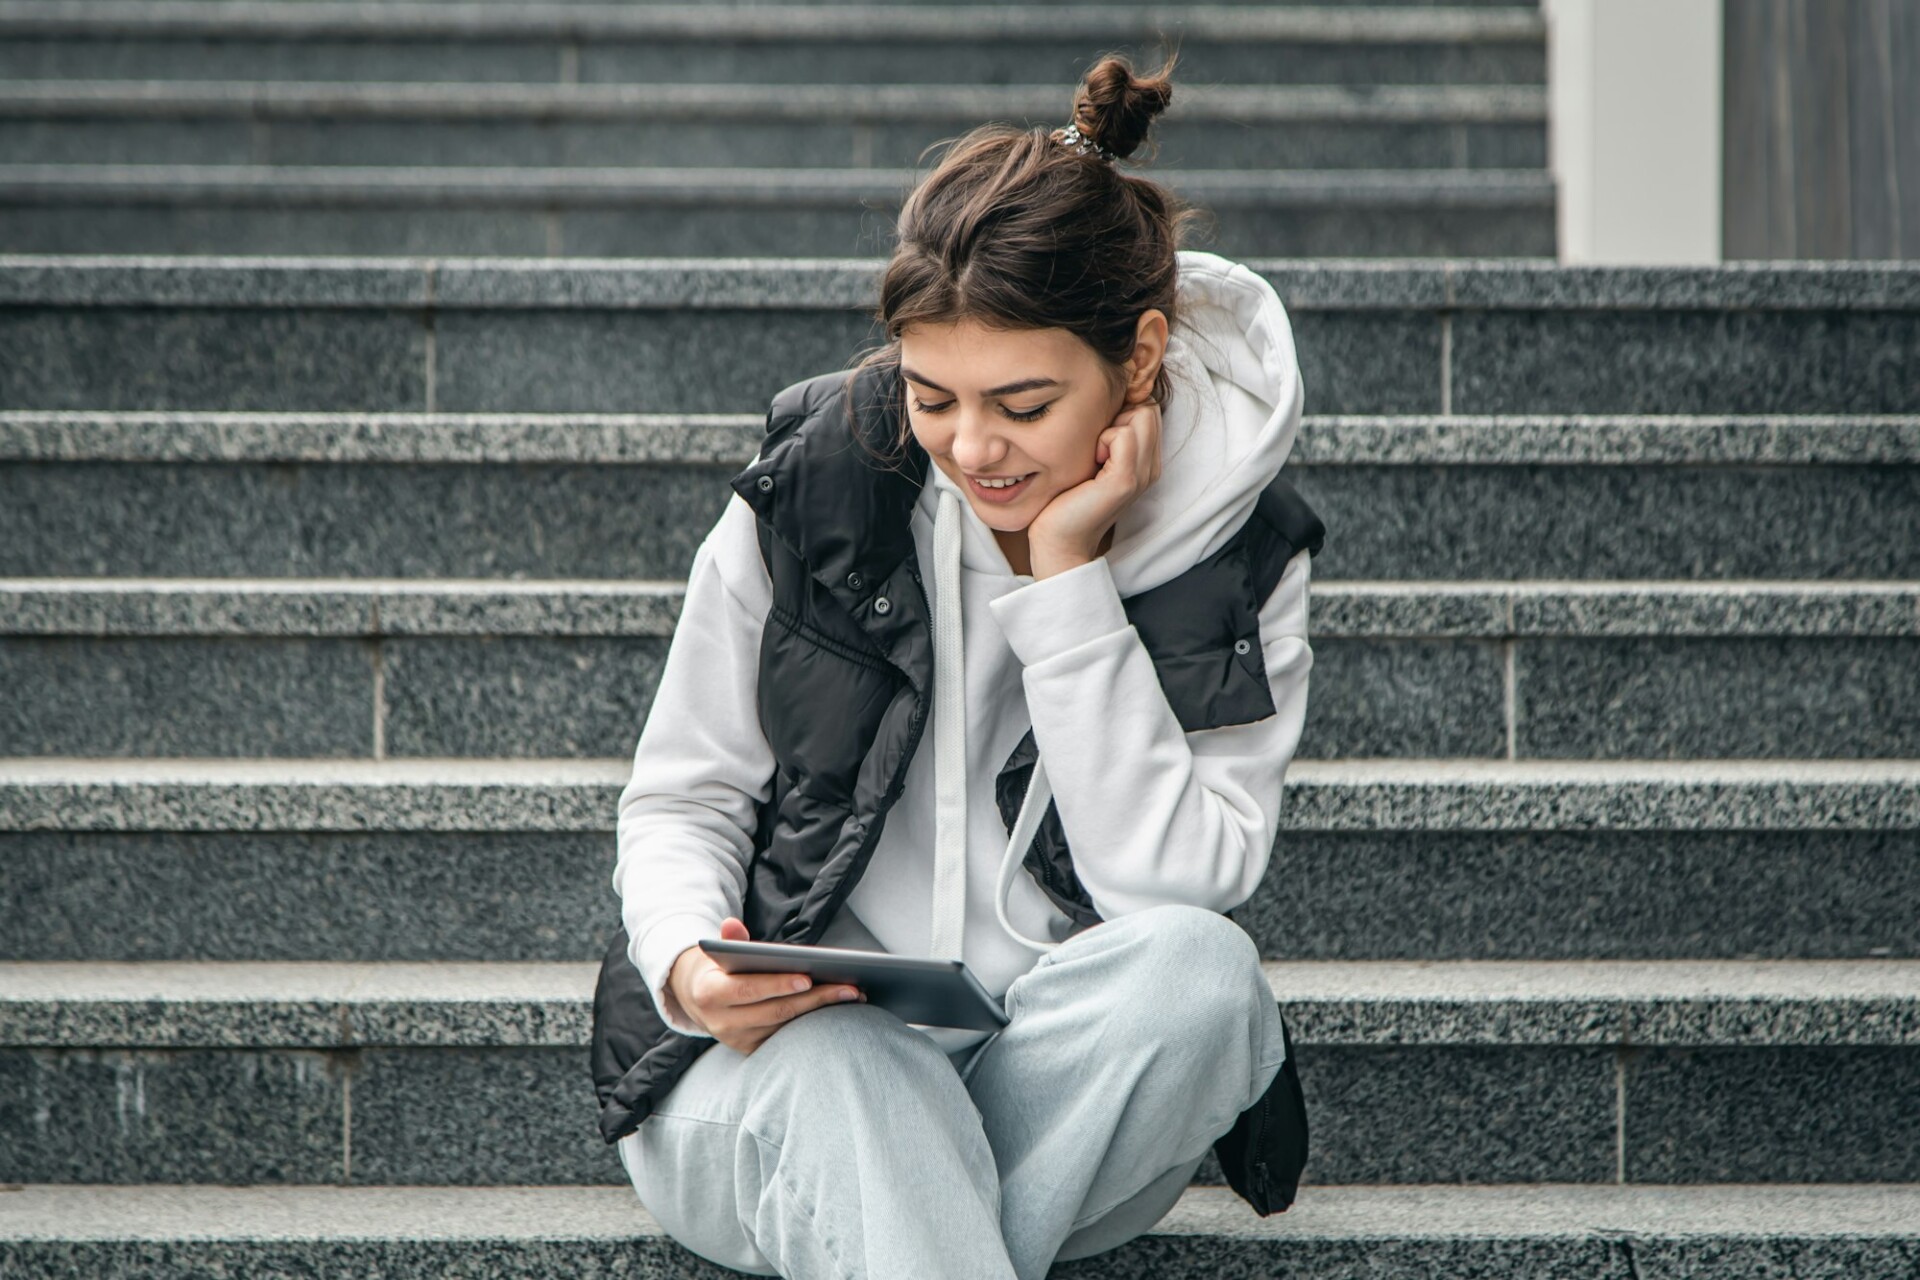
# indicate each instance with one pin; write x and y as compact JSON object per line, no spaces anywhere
{"x":1030,"y":402}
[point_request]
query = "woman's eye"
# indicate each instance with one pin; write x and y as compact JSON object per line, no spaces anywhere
{"x":1029,"y":416}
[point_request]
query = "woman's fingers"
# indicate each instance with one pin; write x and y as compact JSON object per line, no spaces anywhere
{"x":744,"y":988}
{"x":761,"y":1018}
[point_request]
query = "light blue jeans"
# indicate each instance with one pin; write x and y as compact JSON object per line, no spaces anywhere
{"x":848,"y":1145}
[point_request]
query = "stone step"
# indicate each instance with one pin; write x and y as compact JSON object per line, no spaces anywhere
{"x":626,"y":496}
{"x":1583,"y":1072}
{"x":295,"y":667}
{"x":834,"y":44}
{"x":1043,"y":4}
{"x":740,"y":125}
{"x":708,"y":212}
{"x":675,"y":335}
{"x":437,"y":859}
{"x":1817,"y":1232}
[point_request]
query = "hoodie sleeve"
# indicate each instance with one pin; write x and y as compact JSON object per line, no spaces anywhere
{"x":702,"y":766}
{"x":1155,"y":814}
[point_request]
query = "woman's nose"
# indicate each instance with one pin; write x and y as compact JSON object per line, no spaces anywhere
{"x":976,"y":446}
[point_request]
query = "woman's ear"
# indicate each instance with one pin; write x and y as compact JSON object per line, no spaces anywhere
{"x":1149,"y":349}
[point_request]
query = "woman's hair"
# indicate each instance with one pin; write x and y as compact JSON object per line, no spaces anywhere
{"x":1015,"y":230}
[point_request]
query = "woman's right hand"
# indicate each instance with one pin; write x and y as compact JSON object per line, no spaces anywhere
{"x":741,"y":1010}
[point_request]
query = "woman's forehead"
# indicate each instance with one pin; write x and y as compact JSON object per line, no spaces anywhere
{"x":969,"y":356}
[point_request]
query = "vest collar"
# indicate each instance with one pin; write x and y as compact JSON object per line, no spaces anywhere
{"x":846,"y":513}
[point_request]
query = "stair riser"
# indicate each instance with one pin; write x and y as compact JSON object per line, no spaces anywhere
{"x":1409,"y":1114}
{"x":602,"y":520}
{"x":602,"y":59}
{"x":1195,"y":1256}
{"x":519,"y":696}
{"x":643,"y":141}
{"x":706,"y":228}
{"x":545,"y":896}
{"x":109,"y":356}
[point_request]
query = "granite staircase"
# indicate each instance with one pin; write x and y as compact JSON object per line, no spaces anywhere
{"x":333,"y":590}
{"x":787,"y":130}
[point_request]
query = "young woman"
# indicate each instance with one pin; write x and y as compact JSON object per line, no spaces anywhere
{"x":1076,"y":430}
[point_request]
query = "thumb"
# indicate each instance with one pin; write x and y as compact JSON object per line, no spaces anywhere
{"x":733,"y":928}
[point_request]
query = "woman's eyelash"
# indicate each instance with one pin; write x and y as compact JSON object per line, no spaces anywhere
{"x":1030,"y":416}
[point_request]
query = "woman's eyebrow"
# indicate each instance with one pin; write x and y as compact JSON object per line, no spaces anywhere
{"x":1025,"y":384}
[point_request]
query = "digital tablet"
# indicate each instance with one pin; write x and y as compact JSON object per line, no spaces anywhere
{"x":919,"y":989}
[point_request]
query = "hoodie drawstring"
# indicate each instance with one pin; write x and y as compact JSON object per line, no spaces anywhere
{"x":950,"y":759}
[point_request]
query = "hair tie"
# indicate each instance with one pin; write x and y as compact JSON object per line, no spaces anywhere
{"x":1080,"y":144}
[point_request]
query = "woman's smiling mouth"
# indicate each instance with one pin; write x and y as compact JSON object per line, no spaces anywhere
{"x":1001,"y":492}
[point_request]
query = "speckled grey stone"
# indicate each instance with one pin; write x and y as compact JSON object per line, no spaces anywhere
{"x":1566,"y":895}
{"x":825,"y":125}
{"x":1322,"y":795}
{"x":1536,"y":610}
{"x":334,"y":520}
{"x":499,"y":1116}
{"x":479,"y":1115}
{"x":1328,"y":441}
{"x":1459,"y":1115}
{"x":629,"y":213}
{"x":1499,"y":795}
{"x":518,"y":696}
{"x":1369,"y":1004}
{"x":128,"y":280}
{"x":168,"y":358}
{"x":1404,"y":698}
{"x":1367,"y":362}
{"x":1711,"y":360}
{"x":400,"y":896}
{"x":168,"y":223}
{"x":1355,"y":230}
{"x":844,"y":228}
{"x":528,"y":895}
{"x":313,"y":795}
{"x":1756,"y":291}
{"x":297,"y":1004}
{"x":146,"y":1115}
{"x":1644,"y":521}
{"x":1773,"y":1115}
{"x":485,"y":607}
{"x":185,"y":695}
{"x":624,"y":521}
{"x":1327,"y":445}
{"x":1716,"y":697}
{"x":110,"y":55}
{"x":606,"y":361}
{"x":801,"y":25}
{"x":1343,"y":1233}
{"x":1249,"y":59}
{"x":1732,"y":286}
{"x":656,"y":285}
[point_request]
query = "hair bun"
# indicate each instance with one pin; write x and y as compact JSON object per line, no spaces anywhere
{"x":1115,"y":107}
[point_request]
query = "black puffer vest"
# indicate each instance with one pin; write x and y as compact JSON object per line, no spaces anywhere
{"x":848,"y":644}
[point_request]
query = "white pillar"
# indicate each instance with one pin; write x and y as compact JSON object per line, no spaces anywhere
{"x":1634,"y":129}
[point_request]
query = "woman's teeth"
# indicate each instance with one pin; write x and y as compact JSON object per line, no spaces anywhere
{"x":1002,"y":484}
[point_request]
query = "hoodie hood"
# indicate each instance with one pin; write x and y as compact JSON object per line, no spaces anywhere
{"x":1228,"y":427}
{"x":1226,"y":431}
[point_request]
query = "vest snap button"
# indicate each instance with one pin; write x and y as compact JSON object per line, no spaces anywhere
{"x":766,"y":484}
{"x":855,"y":581}
{"x":882,"y":605}
{"x":1242,"y":646}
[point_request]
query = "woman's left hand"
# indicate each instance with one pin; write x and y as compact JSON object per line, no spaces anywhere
{"x":1069,"y":529}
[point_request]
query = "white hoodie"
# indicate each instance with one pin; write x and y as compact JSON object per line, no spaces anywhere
{"x":1153,"y":814}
